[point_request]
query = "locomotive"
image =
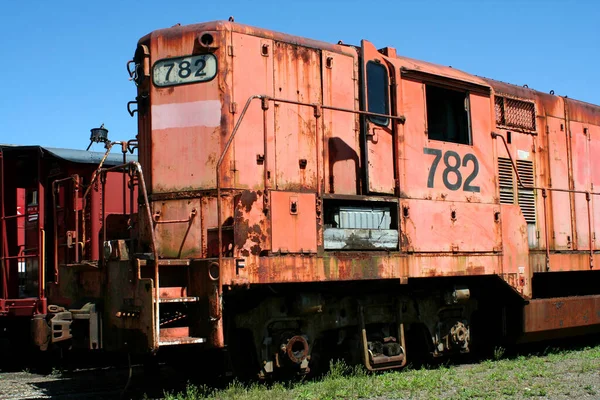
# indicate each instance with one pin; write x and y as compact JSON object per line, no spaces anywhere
{"x":295,"y":201}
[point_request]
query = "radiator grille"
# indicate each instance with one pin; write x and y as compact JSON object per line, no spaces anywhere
{"x":505,"y":171}
{"x":507,"y":180}
{"x":515,"y":113}
{"x":526,"y":197}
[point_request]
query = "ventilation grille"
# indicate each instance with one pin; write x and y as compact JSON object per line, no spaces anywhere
{"x":515,"y":113}
{"x":526,"y":196}
{"x":499,"y":106}
{"x":507,"y":191}
{"x":508,"y":181}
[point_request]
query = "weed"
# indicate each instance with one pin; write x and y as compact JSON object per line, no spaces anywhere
{"x":589,"y":390}
{"x":498,"y":353}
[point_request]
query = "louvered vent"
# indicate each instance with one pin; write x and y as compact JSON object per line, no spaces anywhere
{"x":515,"y":113}
{"x":526,"y":197}
{"x":507,"y":191}
{"x":499,"y":106}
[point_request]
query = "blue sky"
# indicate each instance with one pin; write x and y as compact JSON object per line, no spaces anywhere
{"x":63,"y":62}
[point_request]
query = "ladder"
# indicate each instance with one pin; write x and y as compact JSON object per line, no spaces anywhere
{"x":177,"y":308}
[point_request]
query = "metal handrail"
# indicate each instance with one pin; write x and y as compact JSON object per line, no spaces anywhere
{"x":137,"y":168}
{"x":4,"y":248}
{"x":265,"y":100}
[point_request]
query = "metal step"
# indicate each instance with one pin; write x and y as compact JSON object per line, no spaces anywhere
{"x":172,"y":291}
{"x":178,"y":299}
{"x":167,"y":262}
{"x":173,"y":341}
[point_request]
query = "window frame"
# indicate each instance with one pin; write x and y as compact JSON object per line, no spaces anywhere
{"x":467,"y":94}
{"x":379,"y":121}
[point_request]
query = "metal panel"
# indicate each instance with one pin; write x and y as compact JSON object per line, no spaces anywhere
{"x":253,"y":57}
{"x":442,"y":226}
{"x":251,"y":224}
{"x":559,"y":175}
{"x":582,"y":182}
{"x":594,"y":132}
{"x":515,"y":250}
{"x":293,"y":222}
{"x":297,"y":76}
{"x":561,"y":313}
{"x":187,"y":122}
{"x":342,"y":156}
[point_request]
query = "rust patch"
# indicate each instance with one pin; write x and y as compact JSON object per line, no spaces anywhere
{"x":480,"y":270}
{"x":247,"y":199}
{"x":255,"y":250}
{"x":250,"y":230}
{"x":240,"y":234}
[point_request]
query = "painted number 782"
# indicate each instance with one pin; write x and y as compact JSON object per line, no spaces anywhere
{"x":452,"y":176}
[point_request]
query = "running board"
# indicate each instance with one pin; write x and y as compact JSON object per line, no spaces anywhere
{"x":558,"y":317}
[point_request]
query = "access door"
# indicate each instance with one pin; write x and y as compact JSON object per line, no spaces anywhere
{"x":378,"y":133}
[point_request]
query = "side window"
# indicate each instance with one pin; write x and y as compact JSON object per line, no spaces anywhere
{"x":377,"y":92}
{"x":448,"y":115}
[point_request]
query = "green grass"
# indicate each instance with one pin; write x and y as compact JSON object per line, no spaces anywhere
{"x":570,"y":374}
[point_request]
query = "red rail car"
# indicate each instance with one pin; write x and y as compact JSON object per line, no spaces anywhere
{"x":56,"y":212}
{"x":302,"y":200}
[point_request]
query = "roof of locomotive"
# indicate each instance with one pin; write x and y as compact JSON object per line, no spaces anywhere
{"x":413,"y":64}
{"x":578,"y":110}
{"x":178,"y":30}
{"x":72,"y":155}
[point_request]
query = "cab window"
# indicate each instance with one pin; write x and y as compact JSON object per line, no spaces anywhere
{"x":377,"y":92}
{"x":448,"y":115}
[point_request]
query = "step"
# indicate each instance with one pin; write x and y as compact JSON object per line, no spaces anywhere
{"x":172,"y":291}
{"x":181,"y":340}
{"x":178,"y":299}
{"x":178,"y":335}
{"x":167,"y":262}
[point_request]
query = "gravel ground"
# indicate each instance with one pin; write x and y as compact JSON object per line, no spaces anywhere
{"x":571,"y":374}
{"x":89,"y":384}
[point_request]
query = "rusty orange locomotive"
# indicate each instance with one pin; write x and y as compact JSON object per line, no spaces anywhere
{"x":297,"y":201}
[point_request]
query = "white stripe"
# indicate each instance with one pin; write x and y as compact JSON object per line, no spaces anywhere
{"x":184,"y":115}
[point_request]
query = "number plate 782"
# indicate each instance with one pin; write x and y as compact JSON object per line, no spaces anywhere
{"x":188,"y":69}
{"x":452,"y":175}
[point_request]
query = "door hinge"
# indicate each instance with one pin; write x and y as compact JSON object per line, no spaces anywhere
{"x":233,"y":107}
{"x":230,"y":51}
